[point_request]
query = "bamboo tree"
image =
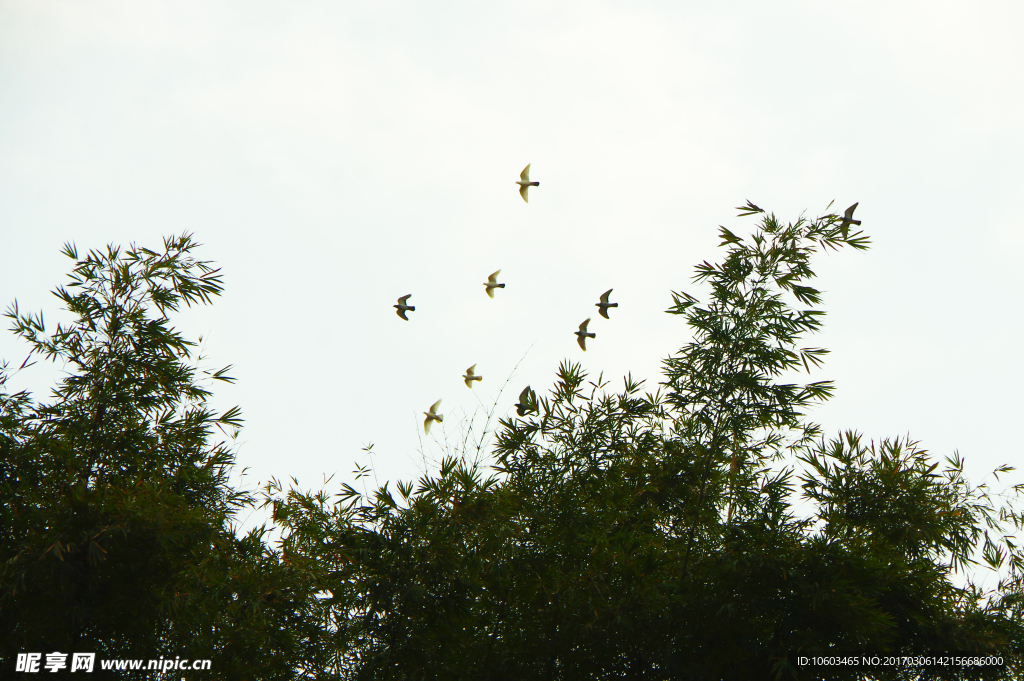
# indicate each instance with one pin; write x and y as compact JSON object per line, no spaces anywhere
{"x":117,"y":516}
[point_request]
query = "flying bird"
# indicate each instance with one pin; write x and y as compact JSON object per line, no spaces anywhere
{"x":402,"y":307}
{"x":431,"y":415}
{"x":524,"y":182}
{"x":492,"y":283}
{"x":604,"y":304}
{"x":848,"y":219}
{"x":527,"y":402}
{"x":582,"y":335}
{"x":470,"y":376}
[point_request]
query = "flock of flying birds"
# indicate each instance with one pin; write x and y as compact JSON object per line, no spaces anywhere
{"x":528,"y":398}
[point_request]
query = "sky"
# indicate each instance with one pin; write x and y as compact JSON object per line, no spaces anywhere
{"x":332,"y":157}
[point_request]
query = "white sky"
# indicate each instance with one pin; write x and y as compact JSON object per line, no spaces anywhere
{"x":334,"y":156}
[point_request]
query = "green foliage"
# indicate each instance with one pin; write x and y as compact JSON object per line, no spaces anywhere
{"x":630,"y":534}
{"x":653,"y":535}
{"x":115,"y":521}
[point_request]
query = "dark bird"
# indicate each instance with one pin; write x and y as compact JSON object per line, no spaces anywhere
{"x":848,"y":219}
{"x":432,"y":416}
{"x":527,"y":402}
{"x":524,"y":182}
{"x":604,"y":304}
{"x":469,"y":376}
{"x":402,"y":307}
{"x":492,"y":283}
{"x":582,"y":335}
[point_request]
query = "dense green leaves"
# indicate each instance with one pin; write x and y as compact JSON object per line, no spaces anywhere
{"x":703,"y":530}
{"x":116,"y":518}
{"x":654,"y":535}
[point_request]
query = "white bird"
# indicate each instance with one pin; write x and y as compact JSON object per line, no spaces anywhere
{"x":582,"y":335}
{"x":524,"y":182}
{"x":402,"y":307}
{"x":604,"y":304}
{"x":431,"y":415}
{"x":492,"y":283}
{"x":848,"y":219}
{"x":470,"y":376}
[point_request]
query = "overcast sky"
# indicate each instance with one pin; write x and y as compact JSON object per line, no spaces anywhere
{"x":332,"y":156}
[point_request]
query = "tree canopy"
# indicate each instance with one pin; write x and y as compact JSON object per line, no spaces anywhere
{"x":116,"y":521}
{"x":703,"y":530}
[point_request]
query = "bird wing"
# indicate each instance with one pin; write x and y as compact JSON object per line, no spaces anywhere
{"x":582,"y":340}
{"x":426,"y":426}
{"x":525,"y":175}
{"x":849,"y":211}
{"x":433,"y":408}
{"x":490,"y":291}
{"x":583,"y":326}
{"x":604,"y":296}
{"x":401,"y":313}
{"x":401,"y":301}
{"x":493,"y":279}
{"x":527,"y":401}
{"x":469,"y":371}
{"x":522,"y":192}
